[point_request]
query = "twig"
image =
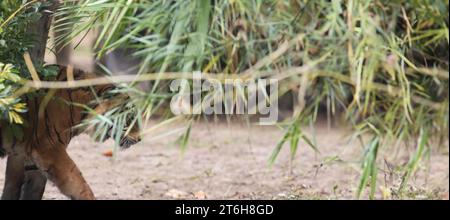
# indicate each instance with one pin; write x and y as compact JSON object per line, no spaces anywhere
{"x":443,"y":74}
{"x":31,"y":68}
{"x":70,"y":78}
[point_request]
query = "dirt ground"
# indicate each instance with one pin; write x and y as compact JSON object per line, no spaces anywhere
{"x":230,"y":161}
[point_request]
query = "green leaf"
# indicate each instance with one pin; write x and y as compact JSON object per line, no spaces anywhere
{"x":369,"y":169}
{"x":415,"y":159}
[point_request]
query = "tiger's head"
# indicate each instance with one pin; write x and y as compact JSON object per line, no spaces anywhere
{"x":103,"y":100}
{"x":131,"y":133}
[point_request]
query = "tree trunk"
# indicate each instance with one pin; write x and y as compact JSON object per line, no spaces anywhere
{"x":40,"y":30}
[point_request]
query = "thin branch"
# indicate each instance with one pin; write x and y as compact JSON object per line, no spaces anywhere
{"x":287,"y":73}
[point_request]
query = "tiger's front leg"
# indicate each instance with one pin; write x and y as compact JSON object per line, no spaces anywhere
{"x":14,"y":177}
{"x":34,"y":184}
{"x":61,"y":169}
{"x":23,"y":181}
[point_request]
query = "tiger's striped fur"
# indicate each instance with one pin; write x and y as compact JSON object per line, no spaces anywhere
{"x":46,"y":139}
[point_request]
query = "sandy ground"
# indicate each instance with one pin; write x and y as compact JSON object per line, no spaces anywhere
{"x":230,"y":161}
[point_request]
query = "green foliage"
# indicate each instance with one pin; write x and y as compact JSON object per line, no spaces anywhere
{"x":369,"y":168}
{"x":415,"y":159}
{"x":15,"y":19}
{"x":10,"y":107}
{"x":294,"y":134}
{"x":14,"y":40}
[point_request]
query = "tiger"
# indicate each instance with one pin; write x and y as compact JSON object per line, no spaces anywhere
{"x":41,"y":153}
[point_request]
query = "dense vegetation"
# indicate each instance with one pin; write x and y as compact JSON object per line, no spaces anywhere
{"x":383,"y":63}
{"x":13,"y":44}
